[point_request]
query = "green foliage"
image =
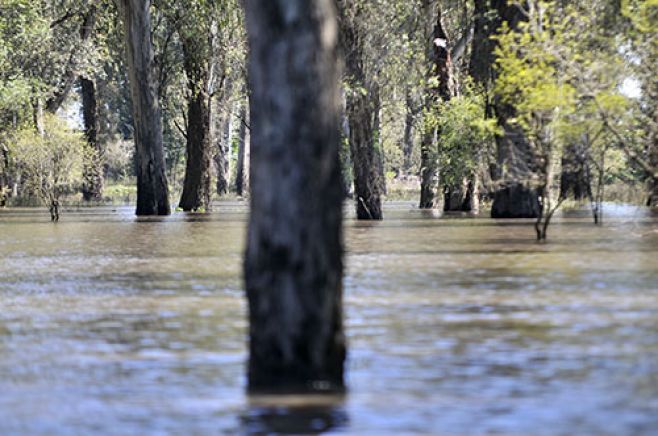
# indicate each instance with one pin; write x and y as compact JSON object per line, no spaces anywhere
{"x":50,"y":164}
{"x":465,"y":135}
{"x":23,"y":33}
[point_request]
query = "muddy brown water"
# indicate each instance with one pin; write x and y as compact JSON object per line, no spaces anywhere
{"x":110,"y":324}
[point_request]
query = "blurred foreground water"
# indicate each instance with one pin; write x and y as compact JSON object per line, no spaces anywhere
{"x":113,"y":324}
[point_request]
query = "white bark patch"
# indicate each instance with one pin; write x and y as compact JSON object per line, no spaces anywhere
{"x":441,"y":42}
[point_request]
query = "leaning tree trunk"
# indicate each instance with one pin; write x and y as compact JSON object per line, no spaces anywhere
{"x":152,"y":188}
{"x":93,"y":178}
{"x":361,"y":107}
{"x":293,"y":265}
{"x":440,"y":87}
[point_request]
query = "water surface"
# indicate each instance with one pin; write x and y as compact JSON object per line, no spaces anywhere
{"x":112,"y":324}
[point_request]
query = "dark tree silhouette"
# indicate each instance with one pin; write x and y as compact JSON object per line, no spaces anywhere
{"x":293,"y":265}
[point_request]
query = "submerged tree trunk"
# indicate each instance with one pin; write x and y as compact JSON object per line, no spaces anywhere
{"x":293,"y":265}
{"x":365,"y":158}
{"x":429,"y":172}
{"x":513,"y":195}
{"x":196,"y":187}
{"x":362,"y":112}
{"x":93,"y":177}
{"x":152,"y":188}
{"x":440,"y":87}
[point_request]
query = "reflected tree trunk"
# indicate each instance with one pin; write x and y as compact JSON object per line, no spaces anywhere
{"x":152,"y":187}
{"x":293,"y":265}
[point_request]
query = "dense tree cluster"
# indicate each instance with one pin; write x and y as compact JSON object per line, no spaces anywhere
{"x":519,"y":103}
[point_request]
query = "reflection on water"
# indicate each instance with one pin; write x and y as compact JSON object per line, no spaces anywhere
{"x":295,"y":414}
{"x":109,"y":324}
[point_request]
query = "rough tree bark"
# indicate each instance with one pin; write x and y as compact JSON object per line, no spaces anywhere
{"x":152,"y":188}
{"x":293,"y":265}
{"x":440,"y":87}
{"x":196,"y":187}
{"x":362,"y":112}
{"x":93,"y":178}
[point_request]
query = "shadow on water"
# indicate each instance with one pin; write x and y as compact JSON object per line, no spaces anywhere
{"x":294,"y":415}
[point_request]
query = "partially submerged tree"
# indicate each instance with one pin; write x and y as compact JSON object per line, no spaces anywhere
{"x":512,"y":197}
{"x":293,"y":265}
{"x":440,"y":88}
{"x":530,"y":82}
{"x":363,"y":105}
{"x":152,"y":187}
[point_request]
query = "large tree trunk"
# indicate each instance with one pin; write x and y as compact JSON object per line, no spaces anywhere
{"x":362,"y":107}
{"x":440,"y":87}
{"x":293,"y":265}
{"x":514,"y":196}
{"x":93,"y":177}
{"x":196,"y":187}
{"x":152,"y":188}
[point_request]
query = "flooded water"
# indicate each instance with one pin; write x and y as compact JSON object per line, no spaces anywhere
{"x":110,"y":324}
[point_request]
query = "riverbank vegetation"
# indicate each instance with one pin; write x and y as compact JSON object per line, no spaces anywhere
{"x":520,"y":105}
